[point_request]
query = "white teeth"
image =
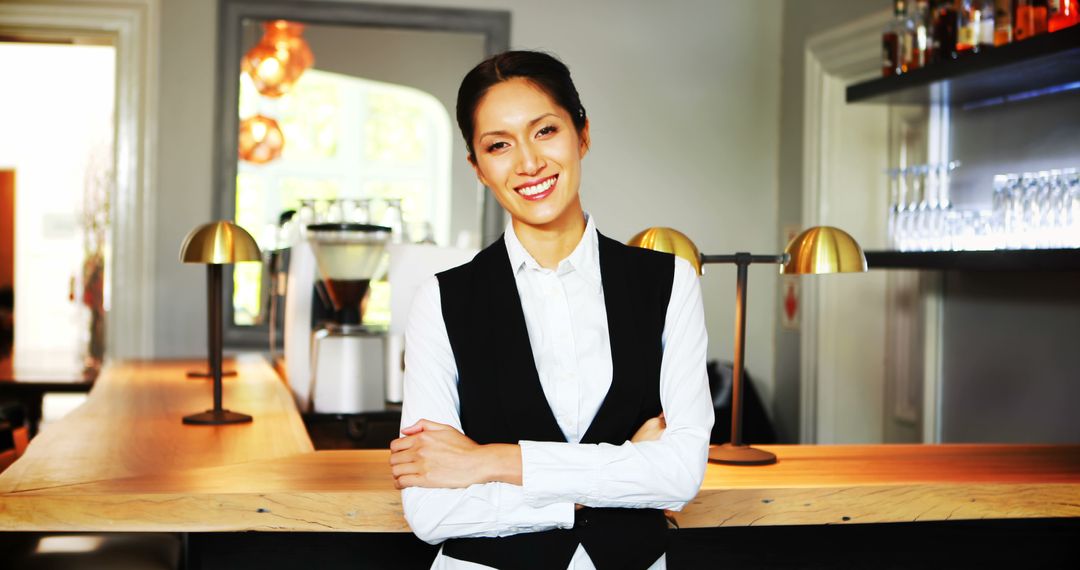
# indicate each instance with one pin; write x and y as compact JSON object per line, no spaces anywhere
{"x":538,"y":188}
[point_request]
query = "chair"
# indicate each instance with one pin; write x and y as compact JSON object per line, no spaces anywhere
{"x":756,"y":426}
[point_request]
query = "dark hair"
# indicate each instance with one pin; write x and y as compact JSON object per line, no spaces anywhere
{"x":542,"y":70}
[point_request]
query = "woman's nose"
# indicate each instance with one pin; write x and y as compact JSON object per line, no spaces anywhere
{"x":530,"y":162}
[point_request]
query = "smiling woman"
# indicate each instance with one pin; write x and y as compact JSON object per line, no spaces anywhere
{"x":556,"y":400}
{"x":530,"y":157}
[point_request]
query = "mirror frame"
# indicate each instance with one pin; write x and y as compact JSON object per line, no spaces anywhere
{"x":494,"y":25}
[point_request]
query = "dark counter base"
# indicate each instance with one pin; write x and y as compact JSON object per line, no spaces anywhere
{"x":1039,"y":543}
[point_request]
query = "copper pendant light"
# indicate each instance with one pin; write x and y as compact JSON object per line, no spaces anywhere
{"x":279,"y":59}
{"x":261,"y":139}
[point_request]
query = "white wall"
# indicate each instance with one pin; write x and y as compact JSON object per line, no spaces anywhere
{"x":684,"y":103}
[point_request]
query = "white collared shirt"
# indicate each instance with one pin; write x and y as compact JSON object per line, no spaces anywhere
{"x":567,"y":323}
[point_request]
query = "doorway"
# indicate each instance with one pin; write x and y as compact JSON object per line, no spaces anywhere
{"x":57,"y":148}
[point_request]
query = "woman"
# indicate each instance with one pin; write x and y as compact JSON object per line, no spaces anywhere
{"x":556,"y":399}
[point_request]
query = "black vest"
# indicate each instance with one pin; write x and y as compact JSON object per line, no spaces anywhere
{"x":502,"y":400}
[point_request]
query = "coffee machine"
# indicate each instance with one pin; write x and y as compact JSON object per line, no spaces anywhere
{"x":334,"y":362}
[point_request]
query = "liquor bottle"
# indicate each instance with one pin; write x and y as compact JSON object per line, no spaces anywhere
{"x":1030,"y":19}
{"x":984,"y":15}
{"x":1003,"y":22}
{"x":918,"y":26}
{"x":943,"y":40}
{"x":1067,"y":15}
{"x":966,"y":26}
{"x":893,"y":40}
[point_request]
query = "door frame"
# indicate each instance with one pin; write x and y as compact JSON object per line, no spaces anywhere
{"x":133,"y":26}
{"x":848,"y":52}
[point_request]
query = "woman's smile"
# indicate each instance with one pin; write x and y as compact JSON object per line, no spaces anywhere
{"x":538,"y":190}
{"x":529,"y":154}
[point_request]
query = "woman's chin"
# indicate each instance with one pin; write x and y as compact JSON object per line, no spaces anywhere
{"x":546,"y":217}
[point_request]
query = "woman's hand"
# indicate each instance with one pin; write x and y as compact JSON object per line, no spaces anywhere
{"x":651,"y":430}
{"x":437,"y":455}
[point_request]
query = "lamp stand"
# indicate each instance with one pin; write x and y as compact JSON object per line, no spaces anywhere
{"x":736,"y":452}
{"x":216,"y":416}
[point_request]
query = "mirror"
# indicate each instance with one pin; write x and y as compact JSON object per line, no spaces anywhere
{"x":371,"y":122}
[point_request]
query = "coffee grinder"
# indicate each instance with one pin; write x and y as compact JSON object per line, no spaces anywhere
{"x":347,"y":357}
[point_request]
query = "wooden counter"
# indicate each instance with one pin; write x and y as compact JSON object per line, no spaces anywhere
{"x":123,"y":461}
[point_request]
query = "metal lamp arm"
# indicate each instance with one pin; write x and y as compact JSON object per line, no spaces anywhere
{"x":736,"y":452}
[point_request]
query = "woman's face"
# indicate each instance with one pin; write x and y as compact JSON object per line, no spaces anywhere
{"x":528,"y":153}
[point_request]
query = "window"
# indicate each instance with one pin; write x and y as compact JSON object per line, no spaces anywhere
{"x":345,"y":137}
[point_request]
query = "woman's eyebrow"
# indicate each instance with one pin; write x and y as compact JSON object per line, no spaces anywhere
{"x":531,"y":123}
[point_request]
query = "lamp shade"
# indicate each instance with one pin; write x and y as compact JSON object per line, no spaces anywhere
{"x":260,"y":139}
{"x":823,"y":249}
{"x":219,"y":242}
{"x":278,"y":60}
{"x":669,"y":240}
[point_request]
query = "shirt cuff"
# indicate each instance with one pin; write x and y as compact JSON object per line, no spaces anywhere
{"x":518,"y":515}
{"x":554,"y":472}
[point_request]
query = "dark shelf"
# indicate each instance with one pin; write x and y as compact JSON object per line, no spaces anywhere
{"x":1002,"y":260}
{"x":1013,"y":71}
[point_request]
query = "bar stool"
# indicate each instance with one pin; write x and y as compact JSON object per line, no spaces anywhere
{"x":7,"y":446}
{"x":123,"y":551}
{"x":14,"y":414}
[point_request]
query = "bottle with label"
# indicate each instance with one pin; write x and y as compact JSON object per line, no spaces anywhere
{"x":984,"y":15}
{"x":966,"y":26}
{"x":976,"y":27}
{"x":1066,"y":16}
{"x":943,"y":39}
{"x":1029,"y":19}
{"x":1003,"y":22}
{"x":893,"y":40}
{"x":918,"y":27}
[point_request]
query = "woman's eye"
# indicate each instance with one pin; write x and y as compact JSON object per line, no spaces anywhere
{"x":550,"y":129}
{"x":496,"y":146}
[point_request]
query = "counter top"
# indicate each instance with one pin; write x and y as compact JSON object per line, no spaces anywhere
{"x":124,"y":462}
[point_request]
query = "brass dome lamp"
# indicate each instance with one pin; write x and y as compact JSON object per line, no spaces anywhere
{"x":216,"y":244}
{"x":821,"y":249}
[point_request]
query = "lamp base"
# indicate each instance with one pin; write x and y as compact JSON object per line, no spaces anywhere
{"x":197,"y":374}
{"x":216,"y":417}
{"x":729,"y":454}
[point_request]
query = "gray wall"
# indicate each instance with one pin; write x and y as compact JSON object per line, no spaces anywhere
{"x":802,"y":19}
{"x":1011,"y":366}
{"x":683,"y":100}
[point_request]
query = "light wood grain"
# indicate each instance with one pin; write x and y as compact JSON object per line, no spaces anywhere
{"x":131,"y":425}
{"x":124,"y":462}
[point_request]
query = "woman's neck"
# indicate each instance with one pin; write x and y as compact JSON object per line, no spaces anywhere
{"x":553,"y":242}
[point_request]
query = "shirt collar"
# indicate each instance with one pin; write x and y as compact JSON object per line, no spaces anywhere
{"x":584,"y":259}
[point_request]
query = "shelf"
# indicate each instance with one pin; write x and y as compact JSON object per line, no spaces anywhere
{"x":1014,"y":71}
{"x":1001,"y":260}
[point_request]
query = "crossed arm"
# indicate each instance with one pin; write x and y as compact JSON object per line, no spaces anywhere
{"x":437,"y":455}
{"x":453,"y":487}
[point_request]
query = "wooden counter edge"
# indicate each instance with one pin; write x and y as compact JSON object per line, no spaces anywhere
{"x":381,"y":511}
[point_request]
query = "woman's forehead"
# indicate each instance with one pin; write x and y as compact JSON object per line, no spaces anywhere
{"x":514,"y":102}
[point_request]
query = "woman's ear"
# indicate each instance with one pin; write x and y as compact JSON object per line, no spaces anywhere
{"x":476,"y":169}
{"x":584,"y":136}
